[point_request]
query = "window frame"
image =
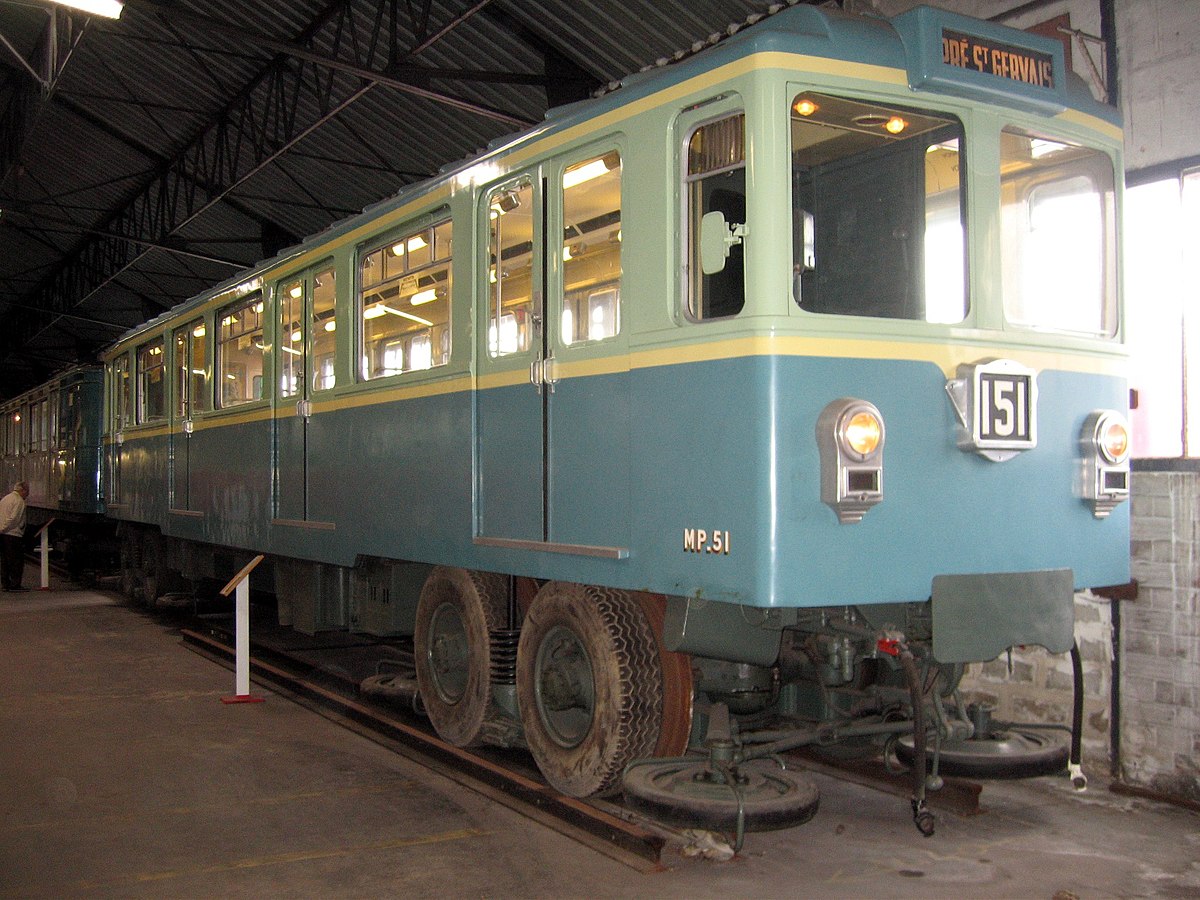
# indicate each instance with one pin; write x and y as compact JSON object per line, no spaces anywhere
{"x":1085,"y":167}
{"x":950,"y":118}
{"x":597,"y":152}
{"x":242,"y":303}
{"x":186,"y":407}
{"x":428,"y":226}
{"x":142,"y":415}
{"x":728,"y":106}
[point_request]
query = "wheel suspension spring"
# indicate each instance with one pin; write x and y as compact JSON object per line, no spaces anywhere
{"x":504,"y":655}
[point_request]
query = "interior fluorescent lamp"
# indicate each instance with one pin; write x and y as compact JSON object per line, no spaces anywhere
{"x":110,"y":9}
{"x":410,"y":316}
{"x":426,"y":296}
{"x":594,"y":169}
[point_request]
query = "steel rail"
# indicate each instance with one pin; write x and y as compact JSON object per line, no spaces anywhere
{"x":624,"y":841}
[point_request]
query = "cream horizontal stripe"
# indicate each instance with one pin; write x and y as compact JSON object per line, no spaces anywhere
{"x":946,"y":356}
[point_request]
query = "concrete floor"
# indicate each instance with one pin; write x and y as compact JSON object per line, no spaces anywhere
{"x":122,"y":775}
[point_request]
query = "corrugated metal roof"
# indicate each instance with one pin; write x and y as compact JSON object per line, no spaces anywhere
{"x":139,"y":97}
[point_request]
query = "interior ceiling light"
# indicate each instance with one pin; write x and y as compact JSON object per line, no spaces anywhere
{"x":109,"y":9}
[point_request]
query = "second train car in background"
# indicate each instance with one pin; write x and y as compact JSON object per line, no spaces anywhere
{"x":741,"y":405}
{"x":51,"y":438}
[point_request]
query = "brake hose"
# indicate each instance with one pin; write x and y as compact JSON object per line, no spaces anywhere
{"x":922,"y":817}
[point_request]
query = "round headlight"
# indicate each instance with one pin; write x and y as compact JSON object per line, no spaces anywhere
{"x":1112,"y":438}
{"x":862,"y":433}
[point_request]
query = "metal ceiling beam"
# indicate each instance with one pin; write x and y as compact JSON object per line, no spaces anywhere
{"x":255,"y":128}
{"x":406,"y":78}
{"x":567,"y":80}
{"x":50,"y":57}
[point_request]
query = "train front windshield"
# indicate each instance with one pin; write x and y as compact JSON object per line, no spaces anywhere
{"x":880,"y":229}
{"x":878,"y":218}
{"x":1058,"y":235}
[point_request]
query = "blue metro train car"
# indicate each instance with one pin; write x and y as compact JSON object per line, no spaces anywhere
{"x":770,"y":383}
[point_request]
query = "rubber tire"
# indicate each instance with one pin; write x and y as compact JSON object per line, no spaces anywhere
{"x":131,"y":577}
{"x":481,"y":602}
{"x":789,"y":798}
{"x":1048,"y":757}
{"x":627,"y":704}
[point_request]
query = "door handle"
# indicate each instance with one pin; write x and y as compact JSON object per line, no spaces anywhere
{"x":535,"y":374}
{"x":304,"y":408}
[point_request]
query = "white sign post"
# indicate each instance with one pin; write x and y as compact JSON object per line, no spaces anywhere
{"x":44,"y":534}
{"x":241,"y":583}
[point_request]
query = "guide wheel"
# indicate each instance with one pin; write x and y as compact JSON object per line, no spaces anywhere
{"x":690,"y":794}
{"x":1009,"y":753}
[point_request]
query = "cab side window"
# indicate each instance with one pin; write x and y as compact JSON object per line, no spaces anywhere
{"x":715,"y":181}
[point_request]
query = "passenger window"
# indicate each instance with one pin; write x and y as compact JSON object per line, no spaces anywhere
{"x":877,"y":212}
{"x":291,"y":338}
{"x":324,"y":338}
{"x":592,"y":250}
{"x":716,"y":182}
{"x":151,"y":383}
{"x":510,"y":269}
{"x":191,"y":377}
{"x":70,"y":422}
{"x":404,"y":303}
{"x":121,"y":389}
{"x":240,"y":352}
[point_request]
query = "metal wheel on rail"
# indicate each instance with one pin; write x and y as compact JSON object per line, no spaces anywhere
{"x":589,"y":682}
{"x":457,"y":610}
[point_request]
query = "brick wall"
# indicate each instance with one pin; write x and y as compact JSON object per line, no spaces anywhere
{"x":1160,"y":638}
{"x":1039,"y":687}
{"x":1160,"y":652}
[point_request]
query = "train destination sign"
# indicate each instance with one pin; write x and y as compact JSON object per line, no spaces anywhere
{"x":967,"y":51}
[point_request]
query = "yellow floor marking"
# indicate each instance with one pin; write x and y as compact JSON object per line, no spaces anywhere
{"x":72,"y":818}
{"x":286,"y":858}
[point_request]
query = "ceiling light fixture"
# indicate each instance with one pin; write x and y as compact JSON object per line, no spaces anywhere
{"x":109,"y":9}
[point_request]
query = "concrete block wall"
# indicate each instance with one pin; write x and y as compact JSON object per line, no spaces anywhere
{"x":1039,"y":686}
{"x":1160,"y":637}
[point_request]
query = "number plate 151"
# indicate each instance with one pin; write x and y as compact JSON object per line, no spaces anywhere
{"x":1005,"y":408}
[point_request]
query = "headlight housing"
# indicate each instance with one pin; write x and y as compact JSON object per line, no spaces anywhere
{"x":850,"y":435}
{"x":1104,"y":444}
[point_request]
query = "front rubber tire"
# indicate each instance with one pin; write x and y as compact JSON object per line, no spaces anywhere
{"x":589,"y":683}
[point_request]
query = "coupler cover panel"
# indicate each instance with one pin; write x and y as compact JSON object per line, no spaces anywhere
{"x":978,"y":617}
